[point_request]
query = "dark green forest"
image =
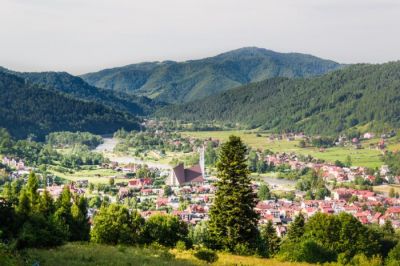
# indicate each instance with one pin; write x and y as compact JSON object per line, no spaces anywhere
{"x":78,"y":88}
{"x":29,"y":110}
{"x":357,"y":95}
{"x":177,"y":82}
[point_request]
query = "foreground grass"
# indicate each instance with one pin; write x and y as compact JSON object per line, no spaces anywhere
{"x":75,"y":254}
{"x":362,"y":157}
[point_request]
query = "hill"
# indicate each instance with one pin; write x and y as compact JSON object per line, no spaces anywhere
{"x":353,"y":96}
{"x":174,"y":82}
{"x":26,"y":109}
{"x":78,"y":88}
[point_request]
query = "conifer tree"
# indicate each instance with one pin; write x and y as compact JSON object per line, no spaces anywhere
{"x":296,"y":229}
{"x":233,"y":220}
{"x":270,"y":238}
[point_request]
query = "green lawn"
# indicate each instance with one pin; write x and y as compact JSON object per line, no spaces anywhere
{"x":75,"y":254}
{"x":362,"y":157}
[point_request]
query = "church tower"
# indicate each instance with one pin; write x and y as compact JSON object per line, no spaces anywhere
{"x":202,"y":162}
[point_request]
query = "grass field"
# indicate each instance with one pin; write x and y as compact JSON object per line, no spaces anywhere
{"x":386,"y":188}
{"x":362,"y":157}
{"x":97,"y":176}
{"x":93,"y":254}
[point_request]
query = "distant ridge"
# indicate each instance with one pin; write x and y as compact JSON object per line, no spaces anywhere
{"x":354,"y":96}
{"x":26,"y":108}
{"x":177,"y":82}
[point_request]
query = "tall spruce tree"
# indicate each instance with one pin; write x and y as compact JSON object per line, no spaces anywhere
{"x":233,"y":220}
{"x":270,"y":238}
{"x":296,"y":229}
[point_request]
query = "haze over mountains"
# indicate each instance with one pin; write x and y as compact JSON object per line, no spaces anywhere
{"x":177,"y":82}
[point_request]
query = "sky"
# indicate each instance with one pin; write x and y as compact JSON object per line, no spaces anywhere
{"x":80,"y":36}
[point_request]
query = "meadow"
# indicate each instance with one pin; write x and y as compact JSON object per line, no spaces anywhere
{"x":360,"y":157}
{"x":78,"y":254}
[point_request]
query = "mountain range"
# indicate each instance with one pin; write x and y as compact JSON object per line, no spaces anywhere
{"x":179,"y":82}
{"x":357,"y":95}
{"x":254,"y":87}
{"x":27,"y":108}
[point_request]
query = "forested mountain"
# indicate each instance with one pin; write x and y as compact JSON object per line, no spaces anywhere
{"x":355,"y":95}
{"x":173,"y":82}
{"x":26,"y":109}
{"x":78,"y":88}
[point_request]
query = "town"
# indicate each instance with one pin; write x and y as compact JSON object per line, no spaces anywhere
{"x":188,"y":192}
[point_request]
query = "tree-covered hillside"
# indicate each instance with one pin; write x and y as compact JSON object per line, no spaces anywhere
{"x":178,"y":82}
{"x":78,"y":88}
{"x":355,"y":95}
{"x":28,"y":109}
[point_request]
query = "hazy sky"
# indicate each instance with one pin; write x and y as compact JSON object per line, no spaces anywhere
{"x":87,"y":35}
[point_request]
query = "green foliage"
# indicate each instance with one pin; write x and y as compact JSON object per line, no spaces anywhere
{"x":393,"y":258}
{"x":199,"y":234}
{"x":270,"y":238}
{"x":264,"y":192}
{"x":27,"y":109}
{"x":166,"y":230}
{"x":356,"y":95}
{"x":115,"y":225}
{"x":392,"y":159}
{"x":185,"y":81}
{"x":207,"y":255}
{"x":78,"y":88}
{"x":34,"y":220}
{"x":233,"y":220}
{"x":296,"y":229}
{"x":65,"y":138}
{"x":307,"y":251}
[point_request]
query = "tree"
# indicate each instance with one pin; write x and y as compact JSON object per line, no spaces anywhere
{"x":165,"y":230}
{"x":80,"y":226}
{"x":270,"y":238}
{"x":233,"y":220}
{"x":392,"y":193}
{"x":111,"y":181}
{"x":199,"y":234}
{"x":115,"y":225}
{"x":393,"y":258}
{"x":264,"y":192}
{"x":167,"y":191}
{"x":32,"y":186}
{"x":296,"y":229}
{"x":348,"y":161}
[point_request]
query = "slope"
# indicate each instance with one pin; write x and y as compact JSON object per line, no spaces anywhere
{"x":28,"y":109}
{"x":178,"y":82}
{"x":353,"y":96}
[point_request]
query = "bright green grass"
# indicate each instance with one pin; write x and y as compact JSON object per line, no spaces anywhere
{"x":75,"y":254}
{"x":363,"y":157}
{"x":96,"y":176}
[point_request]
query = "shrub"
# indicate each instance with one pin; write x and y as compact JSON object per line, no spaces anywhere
{"x":180,"y":245}
{"x":207,"y":255}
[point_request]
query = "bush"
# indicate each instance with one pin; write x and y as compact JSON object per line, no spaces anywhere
{"x":180,"y":245}
{"x":207,"y":255}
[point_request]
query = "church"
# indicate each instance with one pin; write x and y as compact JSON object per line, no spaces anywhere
{"x":181,"y":176}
